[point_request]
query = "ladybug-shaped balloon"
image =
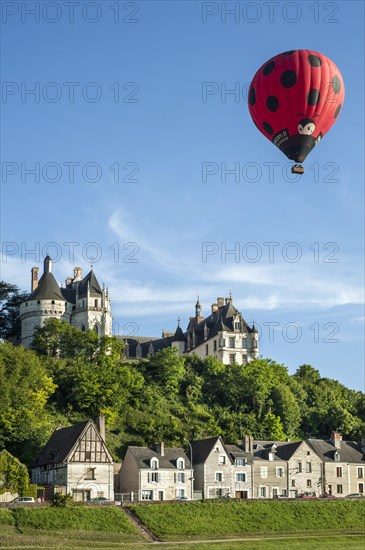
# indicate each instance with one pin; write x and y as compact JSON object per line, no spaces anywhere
{"x":294,"y":99}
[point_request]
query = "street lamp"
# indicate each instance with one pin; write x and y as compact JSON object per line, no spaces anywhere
{"x":191,"y":470}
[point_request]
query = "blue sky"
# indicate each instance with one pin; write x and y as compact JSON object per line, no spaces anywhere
{"x":129,"y":94}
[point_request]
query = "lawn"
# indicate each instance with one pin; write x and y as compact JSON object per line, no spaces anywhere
{"x":229,"y":519}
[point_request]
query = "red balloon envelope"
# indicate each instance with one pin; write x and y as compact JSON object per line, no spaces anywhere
{"x":294,"y":99}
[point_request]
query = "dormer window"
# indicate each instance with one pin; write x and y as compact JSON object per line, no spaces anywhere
{"x":154,"y":463}
{"x":240,"y":462}
{"x":180,"y":464}
{"x":337,"y":456}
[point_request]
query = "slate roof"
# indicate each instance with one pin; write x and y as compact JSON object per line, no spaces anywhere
{"x":60,"y":444}
{"x":47,"y":289}
{"x":237,"y":452}
{"x":143,"y":457}
{"x":284,"y":450}
{"x":349,"y":451}
{"x":179,"y":336}
{"x":95,"y":289}
{"x":203,"y":447}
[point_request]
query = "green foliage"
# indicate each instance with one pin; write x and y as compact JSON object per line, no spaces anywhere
{"x":106,"y":518}
{"x":13,"y":475}
{"x":6,"y":517}
{"x":25,"y":389}
{"x":10,"y":300}
{"x":63,"y":501}
{"x":235,"y":518}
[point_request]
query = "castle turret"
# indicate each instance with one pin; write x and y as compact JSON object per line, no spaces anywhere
{"x":179,"y":340}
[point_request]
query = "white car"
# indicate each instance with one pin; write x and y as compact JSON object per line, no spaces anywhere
{"x":23,"y":500}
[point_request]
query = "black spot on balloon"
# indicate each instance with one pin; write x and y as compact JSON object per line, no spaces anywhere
{"x":288,"y":78}
{"x":313,"y":97}
{"x":314,"y":60}
{"x":272,"y":103}
{"x":289,"y":52}
{"x":336,"y":84}
{"x":252,"y":96}
{"x":268,"y":128}
{"x":269,"y":67}
{"x":337,"y":111}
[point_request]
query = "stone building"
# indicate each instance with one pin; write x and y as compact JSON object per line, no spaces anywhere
{"x":81,"y":302}
{"x":76,"y":461}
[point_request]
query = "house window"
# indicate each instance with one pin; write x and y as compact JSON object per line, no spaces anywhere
{"x":308,"y":467}
{"x":180,"y":493}
{"x":87,"y":455}
{"x":339,"y":471}
{"x":147,"y":495}
{"x":299,"y":467}
{"x":219,"y":493}
{"x":293,"y":482}
{"x":90,"y":473}
{"x":231,"y":342}
{"x":309,"y":483}
{"x":240,"y":477}
{"x":154,"y":464}
{"x":180,"y":464}
{"x":240,"y":462}
{"x":222,"y":459}
{"x":308,"y":453}
{"x":360,"y":472}
{"x":206,"y":349}
{"x":181,"y":477}
{"x":153,"y":477}
{"x":337,"y":456}
{"x":263,"y":492}
{"x":237,"y":325}
{"x":275,"y":492}
{"x":232,"y":358}
{"x":218,"y":476}
{"x":339,"y":489}
{"x":279,"y":472}
{"x":215,"y":345}
{"x":264,"y":472}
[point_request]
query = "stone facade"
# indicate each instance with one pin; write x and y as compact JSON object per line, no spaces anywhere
{"x":82,"y":303}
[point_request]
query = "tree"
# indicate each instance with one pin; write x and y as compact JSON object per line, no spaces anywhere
{"x":14,"y":475}
{"x":10,"y":300}
{"x":25,"y":390}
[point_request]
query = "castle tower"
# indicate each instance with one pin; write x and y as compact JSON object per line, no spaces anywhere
{"x":45,"y":302}
{"x":179,"y":340}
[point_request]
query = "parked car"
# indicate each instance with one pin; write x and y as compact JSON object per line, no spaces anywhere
{"x":307,"y":495}
{"x":355,"y":495}
{"x":23,"y":500}
{"x":181,"y":498}
{"x":327,"y":495}
{"x":100,"y":499}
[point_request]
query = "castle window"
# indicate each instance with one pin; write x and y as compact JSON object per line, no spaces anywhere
{"x":206,"y":349}
{"x":83,"y":328}
{"x":244,"y":343}
{"x":215,"y":345}
{"x":26,"y":304}
{"x":231,"y":342}
{"x":96,"y":329}
{"x":52,"y":302}
{"x":38,"y":301}
{"x":232,"y":358}
{"x":96,"y":303}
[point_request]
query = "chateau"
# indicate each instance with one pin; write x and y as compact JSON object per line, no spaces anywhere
{"x":81,"y":303}
{"x":224,"y":334}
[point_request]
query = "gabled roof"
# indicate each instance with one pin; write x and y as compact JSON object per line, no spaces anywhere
{"x":143,"y":455}
{"x":60,"y":444}
{"x":95,"y":289}
{"x":237,"y":452}
{"x":283,"y":449}
{"x":349,"y":451}
{"x":203,"y":447}
{"x":47,"y":289}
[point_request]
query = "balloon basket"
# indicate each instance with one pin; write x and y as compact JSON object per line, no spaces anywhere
{"x":297,"y":169}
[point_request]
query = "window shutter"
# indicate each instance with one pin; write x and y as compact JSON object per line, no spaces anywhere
{"x":183,"y":478}
{"x":148,"y":477}
{"x":174,"y":477}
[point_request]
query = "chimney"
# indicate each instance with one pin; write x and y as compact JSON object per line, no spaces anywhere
{"x":248,"y":443}
{"x":101,"y":425}
{"x":47,"y":265}
{"x":220,"y":302}
{"x":336,"y":439}
{"x":77,"y":274}
{"x":214,"y":307}
{"x":228,"y":300}
{"x":160,"y":448}
{"x":68,"y":282}
{"x":34,"y":282}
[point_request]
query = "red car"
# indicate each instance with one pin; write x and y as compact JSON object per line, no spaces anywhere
{"x":327,"y":495}
{"x":307,"y":495}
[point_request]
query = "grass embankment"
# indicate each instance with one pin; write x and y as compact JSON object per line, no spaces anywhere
{"x":71,"y":527}
{"x":222,"y":520}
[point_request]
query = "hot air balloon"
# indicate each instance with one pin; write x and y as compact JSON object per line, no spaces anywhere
{"x":294,"y":99}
